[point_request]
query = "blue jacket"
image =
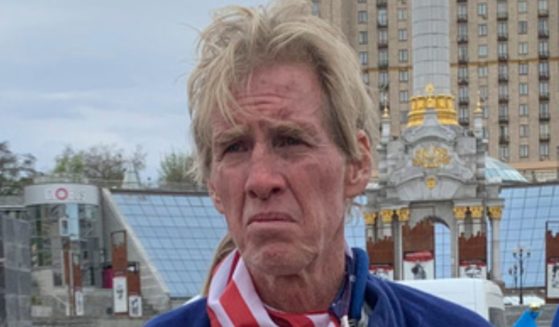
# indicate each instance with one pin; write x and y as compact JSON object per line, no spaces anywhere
{"x":391,"y":305}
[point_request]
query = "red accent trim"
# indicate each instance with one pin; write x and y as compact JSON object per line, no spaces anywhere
{"x":61,"y":194}
{"x":236,"y":307}
{"x":419,"y":256}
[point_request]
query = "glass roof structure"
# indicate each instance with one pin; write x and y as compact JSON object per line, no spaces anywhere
{"x":179,"y":233}
{"x":527,"y":209}
{"x":498,"y":171}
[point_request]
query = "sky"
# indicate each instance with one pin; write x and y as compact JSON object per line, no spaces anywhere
{"x":89,"y":72}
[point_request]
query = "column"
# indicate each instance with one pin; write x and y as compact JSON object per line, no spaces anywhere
{"x":495,"y":214}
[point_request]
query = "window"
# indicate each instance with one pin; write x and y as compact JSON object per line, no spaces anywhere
{"x":523,"y":131}
{"x":362,"y":1}
{"x":523,"y":48}
{"x":522,"y":68}
{"x":544,"y":130}
{"x":402,"y":34}
{"x":462,"y":73}
{"x":523,"y":110}
{"x":403,"y":55}
{"x":482,"y":71}
{"x":483,"y":92}
{"x":462,"y":53}
{"x":503,"y":49}
{"x":382,"y":17}
{"x":543,"y":68}
{"x":503,"y":111}
{"x":363,"y":37}
{"x":315,"y":7}
{"x":503,"y":90}
{"x":462,"y":11}
{"x":482,"y":50}
{"x":382,"y":36}
{"x":503,"y":130}
{"x":522,"y":6}
{"x":482,"y":30}
{"x":402,"y":14}
{"x":542,"y":5}
{"x":383,"y":57}
{"x":522,"y":27}
{"x":523,"y":88}
{"x":544,"y":109}
{"x":503,"y":152}
{"x":403,"y":75}
{"x":403,"y":95}
{"x":502,"y":8}
{"x":482,"y":9}
{"x":543,"y":47}
{"x":503,"y":70}
{"x":382,"y":79}
{"x":523,"y":151}
{"x":364,"y":58}
{"x":544,"y":150}
{"x":365,"y":77}
{"x":543,"y":27}
{"x":463,"y":93}
{"x":462,"y":32}
{"x":362,"y":16}
{"x":502,"y":29}
{"x":544,"y":88}
{"x":464,"y":113}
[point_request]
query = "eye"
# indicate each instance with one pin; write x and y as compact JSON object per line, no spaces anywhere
{"x":288,"y":141}
{"x":234,"y":147}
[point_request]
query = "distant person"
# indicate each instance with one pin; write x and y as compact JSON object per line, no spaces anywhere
{"x":282,"y":126}
{"x":555,"y":322}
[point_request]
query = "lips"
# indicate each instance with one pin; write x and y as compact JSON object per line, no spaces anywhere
{"x":270,"y":217}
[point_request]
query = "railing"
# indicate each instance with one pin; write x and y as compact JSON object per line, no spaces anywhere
{"x":503,"y":119}
{"x":544,"y":115}
{"x":504,"y":139}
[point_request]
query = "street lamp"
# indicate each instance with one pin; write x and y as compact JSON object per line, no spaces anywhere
{"x":520,"y":255}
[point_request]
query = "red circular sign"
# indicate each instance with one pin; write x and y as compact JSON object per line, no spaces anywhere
{"x":61,"y":194}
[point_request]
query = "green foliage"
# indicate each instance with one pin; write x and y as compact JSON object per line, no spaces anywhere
{"x":174,"y":170}
{"x":16,"y":170}
{"x":102,"y":164}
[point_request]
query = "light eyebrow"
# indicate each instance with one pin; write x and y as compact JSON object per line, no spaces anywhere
{"x":303,"y":130}
{"x":229,"y":135}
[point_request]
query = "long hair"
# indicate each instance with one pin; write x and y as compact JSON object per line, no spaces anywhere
{"x":240,"y":40}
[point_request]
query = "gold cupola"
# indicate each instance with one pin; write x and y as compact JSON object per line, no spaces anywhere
{"x":443,"y":104}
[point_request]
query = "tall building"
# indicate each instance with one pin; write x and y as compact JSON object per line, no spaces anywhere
{"x":503,"y":54}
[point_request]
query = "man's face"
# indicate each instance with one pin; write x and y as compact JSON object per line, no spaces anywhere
{"x":277,"y":176}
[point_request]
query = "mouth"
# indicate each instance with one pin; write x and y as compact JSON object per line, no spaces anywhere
{"x":270,"y":217}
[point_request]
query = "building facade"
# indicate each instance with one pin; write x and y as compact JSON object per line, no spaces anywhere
{"x":502,"y":54}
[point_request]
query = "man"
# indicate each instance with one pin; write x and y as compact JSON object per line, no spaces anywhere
{"x":281,"y":121}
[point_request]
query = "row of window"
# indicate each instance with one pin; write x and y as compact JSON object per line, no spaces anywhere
{"x":502,"y":8}
{"x":503,"y":50}
{"x":502,"y":29}
{"x":523,"y":151}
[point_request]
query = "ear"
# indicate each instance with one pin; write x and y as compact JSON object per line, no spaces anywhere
{"x":214,"y":196}
{"x":358,"y":170}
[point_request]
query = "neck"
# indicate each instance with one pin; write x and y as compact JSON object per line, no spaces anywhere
{"x":312,"y":289}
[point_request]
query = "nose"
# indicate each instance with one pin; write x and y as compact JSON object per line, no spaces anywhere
{"x":264,"y":176}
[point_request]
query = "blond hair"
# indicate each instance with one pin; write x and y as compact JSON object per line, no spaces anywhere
{"x":225,"y":246}
{"x":240,"y":40}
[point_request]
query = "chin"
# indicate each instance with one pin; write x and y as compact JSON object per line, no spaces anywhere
{"x":277,"y":260}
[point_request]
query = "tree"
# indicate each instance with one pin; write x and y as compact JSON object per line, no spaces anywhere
{"x":102,"y":164}
{"x":174,"y":171}
{"x":16,"y":170}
